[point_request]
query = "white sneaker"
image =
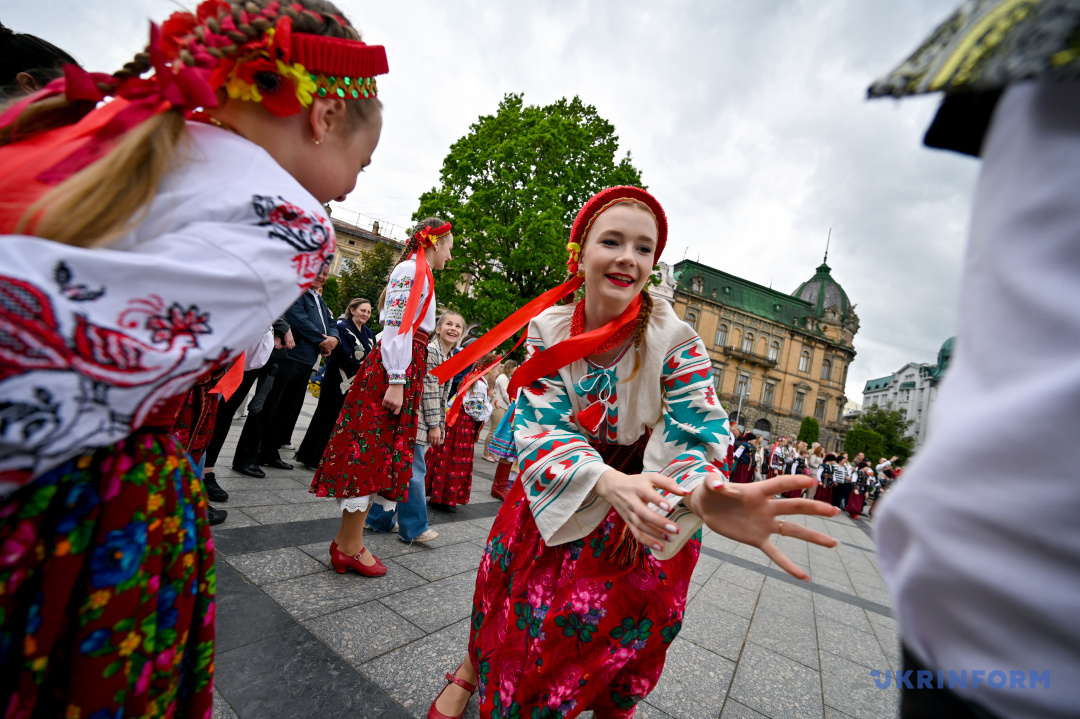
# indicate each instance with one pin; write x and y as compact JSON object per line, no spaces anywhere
{"x":290,"y":447}
{"x":427,"y":536}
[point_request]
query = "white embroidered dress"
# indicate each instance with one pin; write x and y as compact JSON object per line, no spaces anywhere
{"x":672,"y":397}
{"x":96,"y":338}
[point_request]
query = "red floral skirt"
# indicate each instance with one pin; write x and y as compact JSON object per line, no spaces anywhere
{"x":107,"y":579}
{"x":371,"y":449}
{"x":450,"y":465}
{"x":558,"y":630}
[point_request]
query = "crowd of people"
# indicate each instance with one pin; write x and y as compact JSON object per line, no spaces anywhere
{"x":164,"y":255}
{"x":843,"y":483}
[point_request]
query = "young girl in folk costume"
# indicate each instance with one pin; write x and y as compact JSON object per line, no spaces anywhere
{"x":152,"y":249}
{"x":357,"y":340}
{"x":370,"y":455}
{"x":412,"y":516}
{"x":744,"y":459}
{"x":450,"y":465}
{"x":583,"y":583}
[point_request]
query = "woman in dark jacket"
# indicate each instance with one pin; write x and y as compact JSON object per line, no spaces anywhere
{"x":357,"y":340}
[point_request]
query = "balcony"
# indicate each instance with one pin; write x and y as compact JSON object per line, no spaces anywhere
{"x":751,"y":357}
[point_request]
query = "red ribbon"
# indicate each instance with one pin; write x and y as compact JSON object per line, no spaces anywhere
{"x":502,"y":331}
{"x":569,"y":350}
{"x":459,"y":399}
{"x":228,"y":384}
{"x":185,"y":90}
{"x":410,"y":320}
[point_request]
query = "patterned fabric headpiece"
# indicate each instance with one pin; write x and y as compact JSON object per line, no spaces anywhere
{"x":600,"y":202}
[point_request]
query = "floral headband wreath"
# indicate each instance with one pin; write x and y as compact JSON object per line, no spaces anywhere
{"x":574,"y":348}
{"x":251,"y":51}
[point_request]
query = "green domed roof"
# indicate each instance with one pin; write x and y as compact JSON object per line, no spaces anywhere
{"x":823,"y":291}
{"x":944,"y":355}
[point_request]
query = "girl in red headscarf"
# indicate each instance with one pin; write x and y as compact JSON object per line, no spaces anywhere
{"x":584,"y":579}
{"x":370,"y":454}
{"x":148,"y":240}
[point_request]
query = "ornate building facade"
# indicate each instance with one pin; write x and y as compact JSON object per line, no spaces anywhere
{"x":912,"y":390}
{"x":776,"y":357}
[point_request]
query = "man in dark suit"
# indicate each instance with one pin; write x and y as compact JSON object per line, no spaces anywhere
{"x":315,"y":333}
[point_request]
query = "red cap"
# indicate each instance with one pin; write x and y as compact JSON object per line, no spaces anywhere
{"x":600,"y":202}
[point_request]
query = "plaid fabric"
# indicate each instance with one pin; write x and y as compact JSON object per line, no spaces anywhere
{"x":433,"y":401}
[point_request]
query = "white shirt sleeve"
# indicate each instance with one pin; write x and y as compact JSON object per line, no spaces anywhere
{"x":477,"y":404}
{"x":397,"y":345}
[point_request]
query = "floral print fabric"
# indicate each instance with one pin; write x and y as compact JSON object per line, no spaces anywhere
{"x":561,"y":629}
{"x":107,"y":578}
{"x":450,"y":465}
{"x":371,"y":450}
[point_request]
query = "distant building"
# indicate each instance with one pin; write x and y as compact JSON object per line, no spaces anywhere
{"x":353,"y":240}
{"x":912,"y":389}
{"x":786,"y":356}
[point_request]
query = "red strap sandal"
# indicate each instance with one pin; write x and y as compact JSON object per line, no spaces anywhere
{"x":434,"y":713}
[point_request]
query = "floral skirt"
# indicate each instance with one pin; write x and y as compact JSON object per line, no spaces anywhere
{"x":450,"y":465}
{"x":371,"y":449}
{"x":502,"y":439}
{"x":558,"y":630}
{"x":107,"y":579}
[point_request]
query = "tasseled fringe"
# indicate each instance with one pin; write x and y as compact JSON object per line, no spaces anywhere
{"x":626,"y":551}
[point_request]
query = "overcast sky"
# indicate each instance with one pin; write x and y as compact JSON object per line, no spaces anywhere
{"x":747,"y":119}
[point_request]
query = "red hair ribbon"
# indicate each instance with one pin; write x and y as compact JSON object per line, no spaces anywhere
{"x":503,"y":331}
{"x":569,"y":350}
{"x":185,"y":90}
{"x":426,"y":237}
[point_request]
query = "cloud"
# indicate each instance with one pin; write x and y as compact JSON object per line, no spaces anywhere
{"x":747,"y":119}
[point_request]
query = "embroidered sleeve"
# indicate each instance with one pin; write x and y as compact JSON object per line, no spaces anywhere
{"x":477,"y":404}
{"x":97,"y":338}
{"x":559,"y":468}
{"x":691,"y":440}
{"x":397,"y":345}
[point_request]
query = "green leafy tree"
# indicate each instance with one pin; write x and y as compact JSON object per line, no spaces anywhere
{"x":512,"y":187}
{"x":809,"y":430}
{"x":891,"y":424}
{"x":866,"y":441}
{"x":366,"y":277}
{"x":331,"y":295}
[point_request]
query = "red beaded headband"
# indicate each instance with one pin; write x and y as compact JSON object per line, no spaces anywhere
{"x":428,"y":236}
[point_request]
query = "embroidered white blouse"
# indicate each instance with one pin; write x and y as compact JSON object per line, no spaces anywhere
{"x":397,"y":345}
{"x":672,"y":397}
{"x":477,"y":404}
{"x":98,"y":337}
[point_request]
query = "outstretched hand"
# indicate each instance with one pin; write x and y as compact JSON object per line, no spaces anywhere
{"x":745,"y":513}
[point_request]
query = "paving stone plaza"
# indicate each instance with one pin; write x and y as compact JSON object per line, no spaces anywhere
{"x":297,"y":640}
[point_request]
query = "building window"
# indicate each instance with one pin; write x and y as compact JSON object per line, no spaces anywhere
{"x":718,"y":378}
{"x":721,"y":336}
{"x":819,"y":410}
{"x":698,"y":284}
{"x":839,"y":411}
{"x":826,"y":370}
{"x":800,"y":400}
{"x":748,"y":342}
{"x":843,"y":375}
{"x":804,"y":361}
{"x":769,"y":393}
{"x":691,"y":319}
{"x":774,"y":351}
{"x":742,"y":387}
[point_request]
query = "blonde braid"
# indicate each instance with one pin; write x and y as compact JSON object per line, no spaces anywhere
{"x":639,"y":332}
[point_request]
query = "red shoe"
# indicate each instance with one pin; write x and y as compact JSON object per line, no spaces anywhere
{"x":498,"y":493}
{"x":434,"y":713}
{"x":342,"y":562}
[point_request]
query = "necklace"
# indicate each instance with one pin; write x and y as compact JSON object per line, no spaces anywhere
{"x":204,"y":116}
{"x":577,"y":327}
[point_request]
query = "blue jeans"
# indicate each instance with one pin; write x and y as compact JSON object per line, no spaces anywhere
{"x":412,"y":513}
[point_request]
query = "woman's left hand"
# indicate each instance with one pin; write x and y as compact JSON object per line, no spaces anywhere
{"x":745,"y":513}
